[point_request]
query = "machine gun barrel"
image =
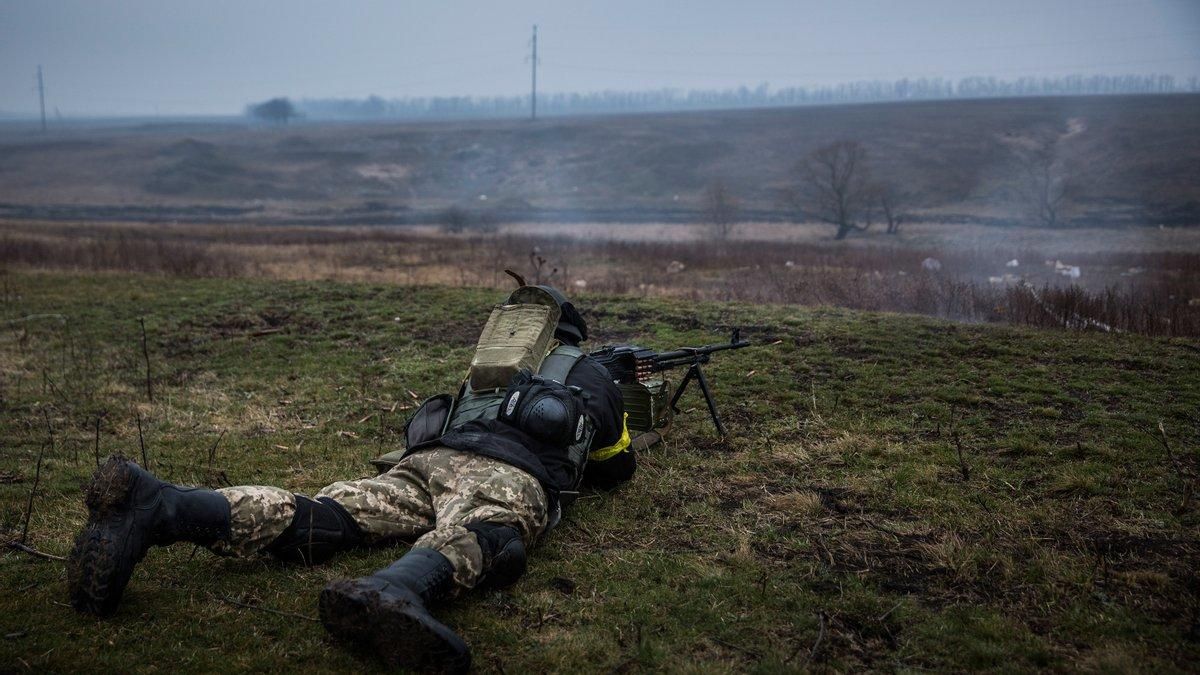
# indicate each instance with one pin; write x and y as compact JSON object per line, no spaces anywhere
{"x":690,"y":355}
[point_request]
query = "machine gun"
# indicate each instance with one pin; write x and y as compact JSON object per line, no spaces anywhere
{"x":632,"y":365}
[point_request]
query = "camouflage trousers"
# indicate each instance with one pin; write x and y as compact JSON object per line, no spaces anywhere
{"x":428,"y":499}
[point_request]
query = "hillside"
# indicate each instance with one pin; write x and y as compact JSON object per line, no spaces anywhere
{"x":1131,"y":159}
{"x":897,"y":492}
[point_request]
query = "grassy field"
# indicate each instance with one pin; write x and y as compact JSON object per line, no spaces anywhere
{"x":897,"y":492}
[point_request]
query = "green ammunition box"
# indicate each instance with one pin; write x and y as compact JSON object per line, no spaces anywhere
{"x":647,"y":404}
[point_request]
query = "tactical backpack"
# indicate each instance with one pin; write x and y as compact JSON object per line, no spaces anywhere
{"x":518,"y":338}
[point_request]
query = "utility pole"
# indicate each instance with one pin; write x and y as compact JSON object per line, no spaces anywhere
{"x":42,"y":97}
{"x":533,"y":89}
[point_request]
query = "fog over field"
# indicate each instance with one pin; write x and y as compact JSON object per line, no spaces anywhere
{"x":1115,"y":161}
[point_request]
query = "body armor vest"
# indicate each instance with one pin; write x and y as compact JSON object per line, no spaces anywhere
{"x":472,"y":405}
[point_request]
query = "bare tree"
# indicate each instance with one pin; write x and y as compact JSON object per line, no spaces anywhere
{"x":891,"y":203}
{"x":720,"y":208}
{"x":1042,"y":186}
{"x":834,"y":186}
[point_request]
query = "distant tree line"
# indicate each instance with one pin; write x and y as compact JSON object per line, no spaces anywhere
{"x":657,"y":100}
{"x":274,"y":111}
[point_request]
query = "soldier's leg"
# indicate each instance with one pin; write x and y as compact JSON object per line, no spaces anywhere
{"x":130,"y":510}
{"x":288,"y":526}
{"x":387,"y":611}
{"x":488,"y":513}
{"x":391,"y":506}
{"x":258,"y":514}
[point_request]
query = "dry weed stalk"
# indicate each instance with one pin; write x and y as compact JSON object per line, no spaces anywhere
{"x":1183,"y":473}
{"x":146,"y":357}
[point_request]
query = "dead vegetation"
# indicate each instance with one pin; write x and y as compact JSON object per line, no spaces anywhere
{"x":1141,"y":292}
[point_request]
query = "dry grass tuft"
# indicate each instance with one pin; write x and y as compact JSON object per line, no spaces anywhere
{"x":804,"y":503}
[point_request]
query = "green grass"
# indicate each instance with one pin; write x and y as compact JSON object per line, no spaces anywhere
{"x":834,"y":530}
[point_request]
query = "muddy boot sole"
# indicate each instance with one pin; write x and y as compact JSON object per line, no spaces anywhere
{"x":403,"y":635}
{"x":97,"y":572}
{"x":346,"y":612}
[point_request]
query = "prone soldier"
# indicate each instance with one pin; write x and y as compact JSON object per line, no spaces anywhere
{"x":484,"y":474}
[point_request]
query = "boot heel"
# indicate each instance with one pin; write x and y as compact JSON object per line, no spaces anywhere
{"x":345,"y":608}
{"x":407,"y":638}
{"x":386,"y":613}
{"x":109,"y":487}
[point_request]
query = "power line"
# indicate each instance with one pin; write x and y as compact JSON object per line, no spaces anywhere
{"x":940,"y":73}
{"x":533,"y":60}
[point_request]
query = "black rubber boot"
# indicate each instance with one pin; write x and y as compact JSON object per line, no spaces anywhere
{"x":129,"y":510}
{"x":386,"y":612}
{"x":319,"y":528}
{"x":503,"y":555}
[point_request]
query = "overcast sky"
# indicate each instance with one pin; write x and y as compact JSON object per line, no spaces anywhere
{"x":214,"y":56}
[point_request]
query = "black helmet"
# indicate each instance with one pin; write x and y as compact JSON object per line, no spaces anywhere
{"x":571,"y":327}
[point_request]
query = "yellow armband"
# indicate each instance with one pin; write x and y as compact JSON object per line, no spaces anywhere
{"x":615,"y":449}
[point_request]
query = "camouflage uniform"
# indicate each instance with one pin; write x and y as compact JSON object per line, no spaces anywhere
{"x":430,"y":497}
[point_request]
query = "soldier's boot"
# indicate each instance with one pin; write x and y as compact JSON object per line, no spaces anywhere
{"x":386,"y":612}
{"x":320,"y":527}
{"x":129,"y":510}
{"x":503,"y":555}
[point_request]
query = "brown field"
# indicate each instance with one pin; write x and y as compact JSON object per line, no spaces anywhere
{"x":1143,"y":280}
{"x":1131,"y":160}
